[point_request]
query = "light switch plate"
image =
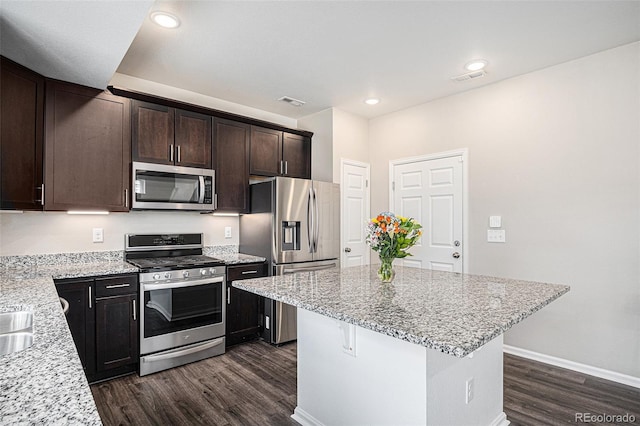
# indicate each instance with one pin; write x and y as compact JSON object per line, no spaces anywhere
{"x":496,"y":235}
{"x":98,"y":235}
{"x":227,"y":232}
{"x":495,"y":221}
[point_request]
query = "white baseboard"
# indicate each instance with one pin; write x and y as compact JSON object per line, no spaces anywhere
{"x":304,"y":418}
{"x":501,"y":420}
{"x":575,"y":366}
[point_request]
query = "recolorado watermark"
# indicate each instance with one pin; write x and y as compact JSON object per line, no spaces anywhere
{"x":604,"y":418}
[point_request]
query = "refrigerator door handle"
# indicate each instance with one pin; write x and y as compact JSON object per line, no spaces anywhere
{"x":316,"y":221}
{"x":310,"y":219}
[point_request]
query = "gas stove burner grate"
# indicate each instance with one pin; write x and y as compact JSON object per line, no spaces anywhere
{"x":176,"y":262}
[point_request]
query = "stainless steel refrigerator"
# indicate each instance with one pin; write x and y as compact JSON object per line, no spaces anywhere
{"x":295,"y":225}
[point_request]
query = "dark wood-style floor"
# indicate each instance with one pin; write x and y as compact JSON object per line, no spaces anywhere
{"x":255,"y":384}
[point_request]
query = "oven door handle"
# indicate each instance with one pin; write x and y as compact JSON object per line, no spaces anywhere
{"x":183,"y":352}
{"x":182,"y":284}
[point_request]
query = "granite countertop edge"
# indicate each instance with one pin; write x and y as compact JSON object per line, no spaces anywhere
{"x":459,"y":351}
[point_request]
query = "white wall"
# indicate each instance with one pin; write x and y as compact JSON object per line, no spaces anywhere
{"x":556,"y":153}
{"x":321,"y":124}
{"x":53,"y":232}
{"x":350,"y":139}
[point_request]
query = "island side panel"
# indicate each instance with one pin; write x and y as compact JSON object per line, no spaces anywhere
{"x":388,"y":381}
{"x":384,"y":383}
{"x":447,"y":378}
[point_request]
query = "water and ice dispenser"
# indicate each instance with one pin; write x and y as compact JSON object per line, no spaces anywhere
{"x":290,"y":235}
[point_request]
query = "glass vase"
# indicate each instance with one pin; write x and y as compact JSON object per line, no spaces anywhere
{"x":386,"y":272}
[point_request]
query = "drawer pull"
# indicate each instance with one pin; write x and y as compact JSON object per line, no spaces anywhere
{"x":117,"y":286}
{"x":249,"y":272}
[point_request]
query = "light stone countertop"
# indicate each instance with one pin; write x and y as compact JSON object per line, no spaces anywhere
{"x":45,"y":384}
{"x":449,"y":312}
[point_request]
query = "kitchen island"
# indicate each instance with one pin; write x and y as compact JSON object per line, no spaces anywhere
{"x":425,"y":349}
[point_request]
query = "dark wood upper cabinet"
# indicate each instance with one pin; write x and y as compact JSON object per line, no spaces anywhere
{"x":266,"y":152}
{"x":21,"y":136}
{"x":193,"y":139}
{"x":275,"y":153}
{"x":296,"y":154}
{"x":165,"y":135}
{"x":152,"y":133}
{"x":230,"y":159}
{"x":87,"y":148}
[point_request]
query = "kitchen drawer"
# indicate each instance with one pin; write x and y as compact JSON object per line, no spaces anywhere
{"x":116,"y":285}
{"x":244,"y":272}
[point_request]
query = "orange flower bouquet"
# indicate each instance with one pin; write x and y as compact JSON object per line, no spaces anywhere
{"x":391,"y":236}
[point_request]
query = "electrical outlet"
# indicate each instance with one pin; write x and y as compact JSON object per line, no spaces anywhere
{"x":98,"y":235}
{"x":227,"y":232}
{"x":496,"y":235}
{"x":468,"y":391}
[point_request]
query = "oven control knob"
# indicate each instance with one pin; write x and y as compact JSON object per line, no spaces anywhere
{"x":185,"y":274}
{"x":167,"y":275}
{"x":156,"y":277}
{"x":212,"y":271}
{"x":203,"y":272}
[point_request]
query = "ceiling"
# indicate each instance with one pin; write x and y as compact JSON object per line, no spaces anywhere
{"x":329,"y":54}
{"x":78,"y":41}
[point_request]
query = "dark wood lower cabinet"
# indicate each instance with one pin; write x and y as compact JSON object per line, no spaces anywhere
{"x":81,"y":318}
{"x":244,"y":309}
{"x":116,"y":332}
{"x":103,"y":319}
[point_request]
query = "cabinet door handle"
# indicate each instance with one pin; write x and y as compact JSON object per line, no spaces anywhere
{"x":171,"y":153}
{"x":228,"y":295}
{"x":281,"y":166}
{"x":41,"y":188}
{"x":117,"y":286}
{"x":249,"y":272}
{"x":126,"y":197}
{"x":90,"y":305}
{"x":178,"y":153}
{"x":133,"y":303}
{"x":286,"y":167}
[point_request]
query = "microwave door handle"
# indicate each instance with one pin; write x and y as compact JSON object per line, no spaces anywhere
{"x":201,"y":199}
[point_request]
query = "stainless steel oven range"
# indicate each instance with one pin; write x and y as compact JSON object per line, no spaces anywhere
{"x":182,"y":300}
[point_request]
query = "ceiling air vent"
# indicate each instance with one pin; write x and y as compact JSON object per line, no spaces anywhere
{"x":470,"y":75}
{"x":292,"y":101}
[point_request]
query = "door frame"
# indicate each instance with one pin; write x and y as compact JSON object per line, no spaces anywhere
{"x":462,"y":152}
{"x":367,"y":166}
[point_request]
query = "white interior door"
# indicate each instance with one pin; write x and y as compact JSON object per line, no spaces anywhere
{"x":355,"y":213}
{"x":431,"y":191}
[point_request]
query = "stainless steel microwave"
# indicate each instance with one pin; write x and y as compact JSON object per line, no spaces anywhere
{"x":162,"y":187}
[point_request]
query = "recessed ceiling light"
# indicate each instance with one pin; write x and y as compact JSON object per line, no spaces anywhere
{"x":165,"y":19}
{"x":372,"y":101}
{"x":476,"y":64}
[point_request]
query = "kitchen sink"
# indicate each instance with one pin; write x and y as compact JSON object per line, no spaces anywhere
{"x":16,"y":332}
{"x":11,"y":322}
{"x":14,"y":342}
